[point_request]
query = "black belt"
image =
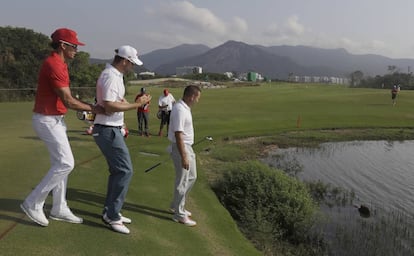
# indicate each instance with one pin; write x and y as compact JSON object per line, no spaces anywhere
{"x":108,"y":126}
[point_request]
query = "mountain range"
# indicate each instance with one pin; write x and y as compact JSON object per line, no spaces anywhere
{"x":275,"y":62}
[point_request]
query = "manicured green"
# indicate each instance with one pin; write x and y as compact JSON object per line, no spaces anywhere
{"x":275,"y":112}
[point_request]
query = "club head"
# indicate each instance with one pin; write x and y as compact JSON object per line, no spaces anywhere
{"x":209,"y":138}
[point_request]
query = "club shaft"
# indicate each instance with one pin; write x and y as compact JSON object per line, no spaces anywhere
{"x":153,"y":167}
{"x":198,"y":142}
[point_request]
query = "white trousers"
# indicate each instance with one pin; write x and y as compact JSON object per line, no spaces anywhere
{"x":184,"y":179}
{"x":52,"y":131}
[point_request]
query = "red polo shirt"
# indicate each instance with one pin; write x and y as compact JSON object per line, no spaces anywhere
{"x":145,"y":107}
{"x":53,"y":74}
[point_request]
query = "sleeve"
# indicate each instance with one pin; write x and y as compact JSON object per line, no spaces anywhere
{"x":176,"y":121}
{"x":59,"y":76}
{"x":109,"y":92}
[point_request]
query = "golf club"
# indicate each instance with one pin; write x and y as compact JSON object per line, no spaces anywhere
{"x":209,"y":138}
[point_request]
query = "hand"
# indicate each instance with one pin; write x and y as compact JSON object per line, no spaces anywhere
{"x":98,"y":109}
{"x":185,"y":163}
{"x":143,"y":99}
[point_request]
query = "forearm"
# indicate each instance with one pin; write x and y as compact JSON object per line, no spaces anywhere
{"x":78,"y":105}
{"x":65,"y":95}
{"x":181,"y":149}
{"x":120,"y":106}
{"x":124,"y":105}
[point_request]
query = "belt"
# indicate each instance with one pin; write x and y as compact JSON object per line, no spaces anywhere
{"x":108,"y":126}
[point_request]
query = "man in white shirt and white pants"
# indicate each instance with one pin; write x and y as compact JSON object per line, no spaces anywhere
{"x":181,"y":136}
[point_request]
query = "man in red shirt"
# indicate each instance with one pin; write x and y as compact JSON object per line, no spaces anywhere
{"x":143,"y":115}
{"x":53,"y":98}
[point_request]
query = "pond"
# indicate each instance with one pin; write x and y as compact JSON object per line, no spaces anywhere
{"x":379,"y":172}
{"x":381,"y":175}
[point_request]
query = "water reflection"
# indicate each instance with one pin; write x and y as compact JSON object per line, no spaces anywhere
{"x":379,"y":172}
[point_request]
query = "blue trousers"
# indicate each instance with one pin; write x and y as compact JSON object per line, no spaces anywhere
{"x":112,"y":144}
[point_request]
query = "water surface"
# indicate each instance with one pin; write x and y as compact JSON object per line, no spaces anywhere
{"x":379,"y":172}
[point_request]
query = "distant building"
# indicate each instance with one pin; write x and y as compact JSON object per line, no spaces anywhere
{"x":252,"y":76}
{"x":318,"y":79}
{"x":146,"y":73}
{"x":228,"y":74}
{"x":186,"y":70}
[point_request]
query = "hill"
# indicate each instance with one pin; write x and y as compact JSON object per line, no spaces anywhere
{"x":236,"y":57}
{"x":163,"y":56}
{"x":272,"y":61}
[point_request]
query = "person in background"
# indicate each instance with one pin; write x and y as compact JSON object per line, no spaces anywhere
{"x":165,"y":104}
{"x":53,"y":98}
{"x":394,"y":92}
{"x":107,"y":133}
{"x":143,"y":115}
{"x":181,"y":136}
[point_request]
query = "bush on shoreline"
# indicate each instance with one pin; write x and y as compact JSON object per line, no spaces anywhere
{"x":270,"y":207}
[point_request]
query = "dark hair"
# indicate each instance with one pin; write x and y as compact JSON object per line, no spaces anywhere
{"x":54,"y":45}
{"x":191,"y":90}
{"x":118,"y":59}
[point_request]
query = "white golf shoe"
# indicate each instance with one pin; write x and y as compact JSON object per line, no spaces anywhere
{"x":65,"y":215}
{"x":116,"y":225}
{"x":37,"y":216}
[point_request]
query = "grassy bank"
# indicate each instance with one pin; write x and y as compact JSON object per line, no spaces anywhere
{"x":282,"y":114}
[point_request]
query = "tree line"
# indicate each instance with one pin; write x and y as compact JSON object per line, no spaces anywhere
{"x":22,"y":52}
{"x":387,"y":81}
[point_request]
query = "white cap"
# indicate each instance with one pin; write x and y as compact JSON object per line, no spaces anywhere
{"x":129,"y":53}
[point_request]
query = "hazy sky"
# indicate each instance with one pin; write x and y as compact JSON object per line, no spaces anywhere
{"x":360,"y":26}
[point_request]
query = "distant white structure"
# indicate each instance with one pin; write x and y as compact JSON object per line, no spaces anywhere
{"x":146,"y":73}
{"x":319,"y":79}
{"x":228,"y":74}
{"x":186,"y":70}
{"x":250,"y":76}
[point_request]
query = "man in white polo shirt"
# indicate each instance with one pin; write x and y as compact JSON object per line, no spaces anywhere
{"x":181,"y":135}
{"x":110,"y":92}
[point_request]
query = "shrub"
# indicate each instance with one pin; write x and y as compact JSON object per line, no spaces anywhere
{"x":268,"y":205}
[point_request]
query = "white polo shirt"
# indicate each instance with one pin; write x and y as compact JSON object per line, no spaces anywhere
{"x":181,"y":120}
{"x":166,"y":100}
{"x":110,"y":87}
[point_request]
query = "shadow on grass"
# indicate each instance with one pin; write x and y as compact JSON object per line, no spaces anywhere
{"x":13,"y":206}
{"x":11,"y":212}
{"x":17,"y":216}
{"x":98,"y":199}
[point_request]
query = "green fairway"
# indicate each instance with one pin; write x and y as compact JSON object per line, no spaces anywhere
{"x":266,"y":110}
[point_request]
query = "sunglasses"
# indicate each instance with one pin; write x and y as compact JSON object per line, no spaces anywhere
{"x":72,"y":45}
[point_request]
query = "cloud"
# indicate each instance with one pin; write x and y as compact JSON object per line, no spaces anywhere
{"x":187,"y":23}
{"x":179,"y":22}
{"x":292,"y":32}
{"x":360,"y":47}
{"x":290,"y":28}
{"x":293,"y":26}
{"x":187,"y":16}
{"x":238,"y":25}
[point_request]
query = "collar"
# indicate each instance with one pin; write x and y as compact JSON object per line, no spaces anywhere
{"x":113,"y":69}
{"x":181,"y":101}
